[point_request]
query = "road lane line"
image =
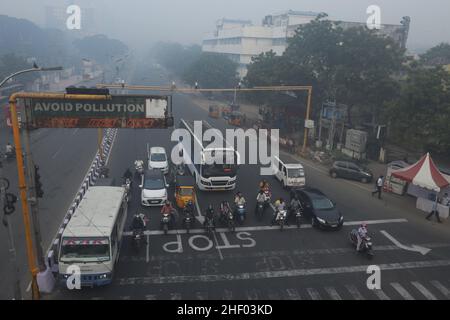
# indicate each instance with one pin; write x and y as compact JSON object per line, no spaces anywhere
{"x":354,"y":292}
{"x":333,"y":293}
{"x":402,"y":291}
{"x":150,"y":297}
{"x":414,"y":248}
{"x":217,"y":245}
{"x":56,"y":153}
{"x":380,"y":294}
{"x":281,"y":274}
{"x":147,"y":258}
{"x":314,"y":294}
{"x":263,"y":228}
{"x":199,"y":216}
{"x":441,"y":288}
{"x":75,"y":131}
{"x":292,"y":294}
{"x":423,"y":290}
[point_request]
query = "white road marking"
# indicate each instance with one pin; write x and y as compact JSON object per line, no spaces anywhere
{"x":217,"y":245}
{"x":423,"y":290}
{"x":56,"y":153}
{"x":413,"y":247}
{"x":380,"y":294}
{"x":263,"y":228}
{"x":147,"y":258}
{"x":75,"y":131}
{"x":402,"y":291}
{"x":199,"y":216}
{"x":292,"y":294}
{"x":112,"y":145}
{"x":175,"y":296}
{"x":314,"y":294}
{"x":278,"y":274}
{"x":150,"y":297}
{"x":354,"y":292}
{"x":333,"y":293}
{"x":29,"y":287}
{"x":441,"y":288}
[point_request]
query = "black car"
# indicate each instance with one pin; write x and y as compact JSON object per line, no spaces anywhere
{"x":321,"y":210}
{"x":350,"y":170}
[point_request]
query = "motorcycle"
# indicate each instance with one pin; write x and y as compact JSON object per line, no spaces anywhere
{"x":281,"y":219}
{"x":298,"y":213}
{"x":240,"y":213}
{"x":209,"y":226}
{"x":260,"y":206}
{"x":10,"y":155}
{"x":138,"y":238}
{"x":366,"y":243}
{"x":165,"y":220}
{"x":188,"y":220}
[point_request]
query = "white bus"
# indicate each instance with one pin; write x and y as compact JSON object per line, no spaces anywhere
{"x":92,"y":238}
{"x":207,"y":175}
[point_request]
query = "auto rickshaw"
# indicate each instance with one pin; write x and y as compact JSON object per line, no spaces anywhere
{"x":235,"y":118}
{"x":214,"y":111}
{"x":184,"y":190}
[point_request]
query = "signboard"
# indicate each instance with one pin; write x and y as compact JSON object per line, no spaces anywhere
{"x":119,"y":111}
{"x":309,"y":124}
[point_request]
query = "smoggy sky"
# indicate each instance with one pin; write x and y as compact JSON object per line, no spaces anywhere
{"x":141,"y":22}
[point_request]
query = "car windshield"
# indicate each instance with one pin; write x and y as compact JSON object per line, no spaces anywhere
{"x":154,"y":184}
{"x":158,"y":157}
{"x":322,"y":204}
{"x":295,"y":173}
{"x":85,"y":248}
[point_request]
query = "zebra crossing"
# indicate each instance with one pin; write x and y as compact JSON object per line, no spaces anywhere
{"x":413,"y":290}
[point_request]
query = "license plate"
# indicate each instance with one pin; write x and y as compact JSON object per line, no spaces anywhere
{"x":154,"y":201}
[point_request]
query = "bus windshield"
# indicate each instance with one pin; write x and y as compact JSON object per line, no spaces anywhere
{"x":218,"y":170}
{"x":79,"y":249}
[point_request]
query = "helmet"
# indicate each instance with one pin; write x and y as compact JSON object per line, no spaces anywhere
{"x":167,"y":202}
{"x":364,"y":225}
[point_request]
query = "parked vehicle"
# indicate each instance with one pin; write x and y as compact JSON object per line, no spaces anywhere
{"x":350,"y":170}
{"x":366,"y":244}
{"x":288,"y":173}
{"x":154,"y":188}
{"x":157,"y":159}
{"x":321,"y":210}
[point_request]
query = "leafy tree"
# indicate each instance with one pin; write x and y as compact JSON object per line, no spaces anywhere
{"x":212,"y":70}
{"x":438,"y":55}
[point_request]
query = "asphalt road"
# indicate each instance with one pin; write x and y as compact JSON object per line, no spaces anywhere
{"x":259,"y":261}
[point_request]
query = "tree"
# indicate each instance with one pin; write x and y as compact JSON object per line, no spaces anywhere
{"x":11,"y":63}
{"x":176,"y":57}
{"x":212,"y":70}
{"x":420,"y":116}
{"x":438,"y":55}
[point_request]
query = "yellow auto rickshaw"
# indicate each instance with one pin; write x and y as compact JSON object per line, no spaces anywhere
{"x":214,"y":111}
{"x":235,"y":118}
{"x":184,"y":190}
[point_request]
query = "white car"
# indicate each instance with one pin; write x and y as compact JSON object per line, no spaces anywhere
{"x":157,"y":159}
{"x":154,"y":188}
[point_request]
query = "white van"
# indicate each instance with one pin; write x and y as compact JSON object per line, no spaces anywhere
{"x":288,"y":173}
{"x":157,"y":159}
{"x":92,"y":238}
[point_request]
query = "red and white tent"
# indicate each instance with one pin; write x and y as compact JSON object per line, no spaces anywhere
{"x":423,"y":173}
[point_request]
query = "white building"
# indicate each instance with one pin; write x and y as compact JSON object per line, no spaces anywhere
{"x":240,"y":40}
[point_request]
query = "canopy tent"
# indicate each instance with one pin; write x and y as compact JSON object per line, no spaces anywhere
{"x":423,"y":173}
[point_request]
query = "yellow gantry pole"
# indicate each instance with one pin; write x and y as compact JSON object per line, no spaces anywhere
{"x":23,"y":196}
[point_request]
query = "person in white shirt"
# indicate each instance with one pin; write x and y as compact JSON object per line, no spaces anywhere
{"x":379,"y":186}
{"x":446,"y":200}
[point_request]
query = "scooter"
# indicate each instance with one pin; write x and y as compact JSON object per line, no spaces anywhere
{"x":366,"y":244}
{"x":187,"y":220}
{"x":240,"y":213}
{"x":298,"y":212}
{"x":165,"y":220}
{"x":138,"y":238}
{"x":281,"y":219}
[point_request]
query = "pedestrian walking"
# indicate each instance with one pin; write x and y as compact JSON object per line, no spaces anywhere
{"x":435,"y":212}
{"x":378,"y":186}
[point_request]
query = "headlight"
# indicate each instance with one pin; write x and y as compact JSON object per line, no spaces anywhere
{"x":320,"y":220}
{"x":103,"y":276}
{"x":206,"y":183}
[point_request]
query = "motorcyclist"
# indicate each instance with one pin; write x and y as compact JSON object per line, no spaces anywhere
{"x":260,"y":198}
{"x":239,"y":199}
{"x":362,"y":234}
{"x":9,"y":149}
{"x":128,"y":174}
{"x":264,"y":185}
{"x":209,"y":216}
{"x":280,"y":205}
{"x":138,"y":222}
{"x":167,"y":208}
{"x":189,"y":207}
{"x":295,"y":205}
